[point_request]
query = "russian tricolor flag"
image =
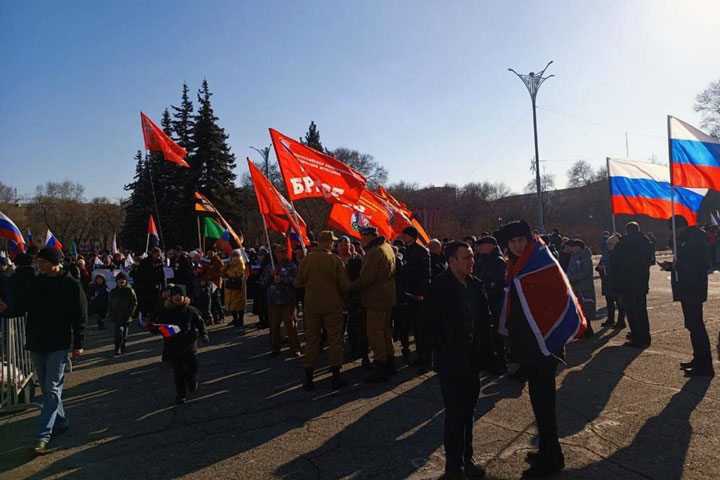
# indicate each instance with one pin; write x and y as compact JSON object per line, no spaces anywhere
{"x":169,"y":330}
{"x":694,"y":156}
{"x":51,"y":241}
{"x":640,"y":188}
{"x":10,"y":231}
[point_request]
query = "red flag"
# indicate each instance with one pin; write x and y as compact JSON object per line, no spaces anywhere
{"x":393,"y":201}
{"x":157,"y":141}
{"x":278,"y":212}
{"x":153,"y":237}
{"x":311,"y":174}
{"x":370,"y":210}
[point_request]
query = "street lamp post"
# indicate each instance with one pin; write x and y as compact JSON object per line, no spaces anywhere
{"x":265,"y":152}
{"x":533,"y":81}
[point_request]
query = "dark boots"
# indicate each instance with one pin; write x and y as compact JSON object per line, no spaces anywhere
{"x":308,"y":382}
{"x":380,"y":374}
{"x":390,"y":367}
{"x":337,"y":381}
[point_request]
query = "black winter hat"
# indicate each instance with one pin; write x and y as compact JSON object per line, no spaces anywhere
{"x":411,"y":232}
{"x":518,"y":228}
{"x":121,"y":276}
{"x":486,"y":241}
{"x":178,"y":290}
{"x":52,"y":255}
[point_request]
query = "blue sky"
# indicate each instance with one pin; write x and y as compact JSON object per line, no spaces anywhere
{"x":421,"y":85}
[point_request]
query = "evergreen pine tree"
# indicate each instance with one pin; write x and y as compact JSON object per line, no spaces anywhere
{"x":139,"y":207}
{"x":312,"y":138}
{"x":213,"y":163}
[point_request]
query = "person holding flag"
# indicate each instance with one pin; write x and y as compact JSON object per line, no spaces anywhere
{"x":689,"y":283}
{"x":377,"y":286}
{"x":180,"y":325}
{"x":149,"y":281}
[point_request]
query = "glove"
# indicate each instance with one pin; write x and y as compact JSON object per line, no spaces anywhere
{"x":206,"y":339}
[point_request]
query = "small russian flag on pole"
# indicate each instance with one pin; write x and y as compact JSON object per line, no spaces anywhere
{"x":169,"y":330}
{"x":51,"y":241}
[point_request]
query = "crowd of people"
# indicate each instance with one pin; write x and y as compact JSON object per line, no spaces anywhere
{"x":465,"y":303}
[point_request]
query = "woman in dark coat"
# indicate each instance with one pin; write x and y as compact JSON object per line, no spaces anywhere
{"x":612,"y":297}
{"x":98,"y":294}
{"x":180,"y":324}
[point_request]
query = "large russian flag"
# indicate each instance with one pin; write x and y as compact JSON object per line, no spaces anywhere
{"x":640,"y":188}
{"x":11,"y":232}
{"x":695,"y":156}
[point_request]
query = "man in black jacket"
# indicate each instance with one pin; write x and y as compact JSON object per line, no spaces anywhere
{"x":490,"y":268}
{"x":56,"y":317}
{"x":689,"y":286}
{"x":630,"y":270}
{"x":149,"y":281}
{"x":456,"y":311}
{"x":414,"y":283}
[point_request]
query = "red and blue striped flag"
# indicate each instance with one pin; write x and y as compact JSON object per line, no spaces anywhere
{"x":10,"y":231}
{"x":547,"y":299}
{"x":51,"y":241}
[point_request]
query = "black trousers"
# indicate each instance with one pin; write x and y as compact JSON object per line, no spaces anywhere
{"x":636,"y":311}
{"x":121,"y":334}
{"x":693,"y":313}
{"x":613,"y":301}
{"x":421,"y":331}
{"x":541,"y":385}
{"x":216,"y":306}
{"x":460,"y":391}
{"x":185,"y":368}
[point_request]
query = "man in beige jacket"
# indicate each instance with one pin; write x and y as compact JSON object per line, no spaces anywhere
{"x":377,"y":285}
{"x":322,"y":274}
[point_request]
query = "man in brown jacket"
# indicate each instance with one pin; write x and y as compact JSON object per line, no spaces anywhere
{"x":377,"y":284}
{"x":325,"y":280}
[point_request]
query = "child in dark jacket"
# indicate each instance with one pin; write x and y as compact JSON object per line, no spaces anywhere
{"x":98,"y":294}
{"x":180,"y":324}
{"x":121,"y":305}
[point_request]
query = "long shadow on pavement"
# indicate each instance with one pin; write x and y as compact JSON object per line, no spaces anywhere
{"x":660,"y":448}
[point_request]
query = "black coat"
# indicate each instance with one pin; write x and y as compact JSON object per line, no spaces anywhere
{"x":56,"y":314}
{"x":692,"y":266}
{"x":491,"y":270}
{"x":451,"y":327}
{"x":182,"y":270}
{"x":416,"y":271}
{"x":149,"y":281}
{"x":630,"y":264}
{"x":21,"y":288}
{"x":190,"y":323}
{"x":437,"y":266}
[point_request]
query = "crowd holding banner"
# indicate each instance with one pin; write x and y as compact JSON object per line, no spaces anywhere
{"x":505,"y":303}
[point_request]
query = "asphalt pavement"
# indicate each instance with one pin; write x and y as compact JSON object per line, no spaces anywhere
{"x":623,"y":413}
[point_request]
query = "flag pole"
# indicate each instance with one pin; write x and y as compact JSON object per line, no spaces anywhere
{"x":612,"y":210}
{"x":672,"y":198}
{"x":157,"y":210}
{"x":267,"y":237}
{"x":147,"y":242}
{"x":297,"y":222}
{"x":199,"y":235}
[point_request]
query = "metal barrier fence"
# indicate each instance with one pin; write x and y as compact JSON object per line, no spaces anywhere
{"x":16,"y":371}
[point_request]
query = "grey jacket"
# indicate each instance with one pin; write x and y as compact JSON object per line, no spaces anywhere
{"x":580,"y":274}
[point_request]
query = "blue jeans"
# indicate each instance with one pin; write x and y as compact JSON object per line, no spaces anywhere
{"x":50,"y":369}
